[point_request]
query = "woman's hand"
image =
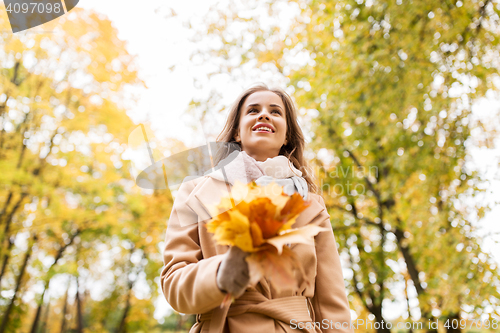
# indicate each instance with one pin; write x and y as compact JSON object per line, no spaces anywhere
{"x":233,"y":274}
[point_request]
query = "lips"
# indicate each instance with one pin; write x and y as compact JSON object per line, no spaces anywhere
{"x":260,"y":128}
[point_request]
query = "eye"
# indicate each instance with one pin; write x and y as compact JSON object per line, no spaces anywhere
{"x":277,"y":111}
{"x":251,"y":110}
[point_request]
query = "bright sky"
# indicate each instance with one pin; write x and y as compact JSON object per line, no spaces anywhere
{"x":160,"y":43}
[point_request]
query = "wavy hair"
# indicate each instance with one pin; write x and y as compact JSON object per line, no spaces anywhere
{"x":293,"y":150}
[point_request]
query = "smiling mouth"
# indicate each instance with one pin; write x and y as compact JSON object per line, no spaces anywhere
{"x":263,"y":129}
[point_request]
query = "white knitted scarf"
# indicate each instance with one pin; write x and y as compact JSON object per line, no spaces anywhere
{"x":245,"y":168}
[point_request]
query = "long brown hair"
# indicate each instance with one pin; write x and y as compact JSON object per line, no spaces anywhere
{"x":293,"y":150}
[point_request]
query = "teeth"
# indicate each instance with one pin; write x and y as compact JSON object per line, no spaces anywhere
{"x":263,"y":128}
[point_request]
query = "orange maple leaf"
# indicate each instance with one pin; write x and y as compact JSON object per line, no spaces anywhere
{"x":262,"y":212}
{"x":294,"y":206}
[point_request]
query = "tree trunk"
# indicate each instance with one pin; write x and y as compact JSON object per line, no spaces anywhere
{"x":410,"y":330}
{"x":34,"y":325}
{"x":122,"y":328}
{"x":6,"y":237}
{"x":6,"y":259}
{"x":10,"y":215}
{"x":412,"y":271}
{"x":7,"y":202}
{"x":65,"y":309}
{"x":45,"y":317}
{"x":46,"y":284}
{"x":380,"y":324}
{"x":79,"y":316}
{"x":410,"y":262}
{"x":7,"y":313}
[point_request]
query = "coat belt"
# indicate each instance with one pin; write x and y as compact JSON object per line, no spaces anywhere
{"x":284,"y":309}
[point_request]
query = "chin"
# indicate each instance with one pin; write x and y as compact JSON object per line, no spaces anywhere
{"x":258,"y":142}
{"x":258,"y":147}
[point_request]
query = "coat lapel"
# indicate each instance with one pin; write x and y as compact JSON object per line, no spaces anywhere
{"x":207,"y":193}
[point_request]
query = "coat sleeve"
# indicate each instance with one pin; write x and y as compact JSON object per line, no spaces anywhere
{"x":330,"y":304}
{"x":188,"y":280}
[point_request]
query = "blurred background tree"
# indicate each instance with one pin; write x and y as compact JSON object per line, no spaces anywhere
{"x":71,"y":214}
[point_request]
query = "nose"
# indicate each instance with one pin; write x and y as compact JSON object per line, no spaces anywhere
{"x":264,"y":114}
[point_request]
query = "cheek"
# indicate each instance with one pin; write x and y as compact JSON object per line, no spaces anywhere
{"x":245,"y":131}
{"x":283,"y":128}
{"x":241,"y":127}
{"x":245,"y":124}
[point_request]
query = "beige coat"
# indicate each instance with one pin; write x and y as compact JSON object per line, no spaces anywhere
{"x":191,"y":260}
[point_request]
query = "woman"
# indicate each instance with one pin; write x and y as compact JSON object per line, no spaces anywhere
{"x":262,"y":124}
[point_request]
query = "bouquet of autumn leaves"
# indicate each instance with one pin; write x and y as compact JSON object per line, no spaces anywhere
{"x":261,"y":225}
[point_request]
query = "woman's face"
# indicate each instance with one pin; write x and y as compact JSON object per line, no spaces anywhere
{"x":262,"y":125}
